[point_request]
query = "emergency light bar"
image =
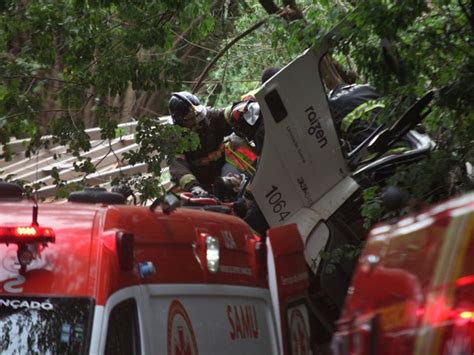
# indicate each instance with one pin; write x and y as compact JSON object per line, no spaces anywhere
{"x":26,"y":234}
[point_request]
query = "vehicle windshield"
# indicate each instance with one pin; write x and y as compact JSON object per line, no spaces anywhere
{"x":45,"y":325}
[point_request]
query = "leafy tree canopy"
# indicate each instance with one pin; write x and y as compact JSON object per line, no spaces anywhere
{"x":63,"y":65}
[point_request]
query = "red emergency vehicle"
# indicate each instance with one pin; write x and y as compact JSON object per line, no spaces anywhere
{"x":413,"y":290}
{"x":101,"y":277}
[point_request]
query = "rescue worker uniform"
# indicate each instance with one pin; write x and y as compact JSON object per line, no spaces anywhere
{"x":247,"y":122}
{"x":203,"y":165}
{"x":195,"y":171}
{"x":354,"y":109}
{"x":240,"y":156}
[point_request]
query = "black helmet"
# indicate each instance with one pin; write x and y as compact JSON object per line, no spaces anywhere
{"x":180,"y":104}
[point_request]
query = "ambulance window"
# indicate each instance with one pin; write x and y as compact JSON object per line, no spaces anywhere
{"x":45,"y":325}
{"x":123,"y":336}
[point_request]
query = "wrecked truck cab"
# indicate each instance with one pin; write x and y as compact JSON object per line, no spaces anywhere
{"x":305,"y":176}
{"x":102,"y":278}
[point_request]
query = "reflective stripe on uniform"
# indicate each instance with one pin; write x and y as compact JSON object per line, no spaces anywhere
{"x":212,"y":156}
{"x":359,"y":113}
{"x":242,"y":158}
{"x":396,"y":150}
{"x":186,"y":180}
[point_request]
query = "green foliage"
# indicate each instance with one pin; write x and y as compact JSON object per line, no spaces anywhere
{"x":62,"y":62}
{"x":159,"y":143}
{"x":338,"y":255}
{"x":372,"y":208}
{"x":406,"y":48}
{"x":239,"y":70}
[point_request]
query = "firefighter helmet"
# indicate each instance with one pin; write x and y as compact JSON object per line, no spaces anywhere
{"x":185,"y":106}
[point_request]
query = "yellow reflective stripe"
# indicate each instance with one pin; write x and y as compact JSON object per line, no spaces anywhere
{"x":359,"y":113}
{"x":241,"y":165}
{"x":397,"y":150}
{"x":186,"y":180}
{"x":227,"y":113}
{"x":248,"y":166}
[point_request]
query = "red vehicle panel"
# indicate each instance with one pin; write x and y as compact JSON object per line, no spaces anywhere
{"x":413,"y":290}
{"x":83,"y":259}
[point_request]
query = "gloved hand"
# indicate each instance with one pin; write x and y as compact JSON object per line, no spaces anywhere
{"x":198,"y":191}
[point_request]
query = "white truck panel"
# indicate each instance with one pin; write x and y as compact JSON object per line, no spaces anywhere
{"x":301,"y":158}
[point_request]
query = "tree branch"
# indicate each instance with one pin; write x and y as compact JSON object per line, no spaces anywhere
{"x":12,"y":77}
{"x":226,"y":48}
{"x":269,"y":6}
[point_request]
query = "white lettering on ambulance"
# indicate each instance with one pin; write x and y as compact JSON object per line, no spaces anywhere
{"x":10,"y":285}
{"x":15,"y":304}
{"x":235,"y":270}
{"x":243,"y":322}
{"x":290,"y":280}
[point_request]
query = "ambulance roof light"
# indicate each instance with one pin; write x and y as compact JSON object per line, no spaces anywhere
{"x":30,"y":241}
{"x":26,"y":234}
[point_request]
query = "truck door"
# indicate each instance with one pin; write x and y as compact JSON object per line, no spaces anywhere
{"x":302,"y":176}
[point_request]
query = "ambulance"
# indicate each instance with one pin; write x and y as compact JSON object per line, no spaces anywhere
{"x":413,"y":290}
{"x":96,"y":276}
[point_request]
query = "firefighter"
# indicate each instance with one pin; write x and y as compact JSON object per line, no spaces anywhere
{"x":247,"y":122}
{"x":195,"y":171}
{"x":354,"y":109}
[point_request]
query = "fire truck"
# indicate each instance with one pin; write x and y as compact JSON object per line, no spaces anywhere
{"x":413,"y":290}
{"x":96,"y":276}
